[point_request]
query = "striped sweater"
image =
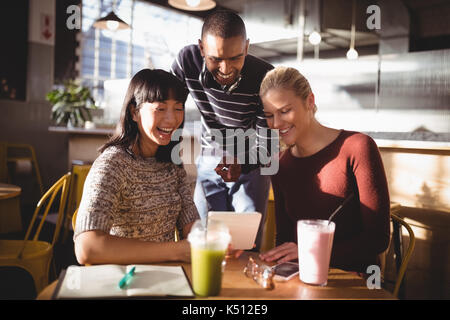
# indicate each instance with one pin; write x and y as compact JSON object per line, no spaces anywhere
{"x":221,"y":110}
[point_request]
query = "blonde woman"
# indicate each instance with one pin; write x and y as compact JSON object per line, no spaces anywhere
{"x":321,"y":167}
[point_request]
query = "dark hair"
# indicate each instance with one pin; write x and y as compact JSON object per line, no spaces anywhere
{"x":224,"y":24}
{"x":146,"y":86}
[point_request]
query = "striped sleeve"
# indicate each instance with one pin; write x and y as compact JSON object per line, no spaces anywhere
{"x":260,"y":152}
{"x":177,"y":68}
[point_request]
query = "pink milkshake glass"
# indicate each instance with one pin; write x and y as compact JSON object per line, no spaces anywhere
{"x":315,"y":240}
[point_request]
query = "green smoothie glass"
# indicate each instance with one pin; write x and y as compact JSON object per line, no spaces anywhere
{"x":208,"y":249}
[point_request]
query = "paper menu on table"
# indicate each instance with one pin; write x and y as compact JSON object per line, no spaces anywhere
{"x":102,"y":281}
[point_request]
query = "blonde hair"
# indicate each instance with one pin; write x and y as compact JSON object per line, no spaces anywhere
{"x":286,"y":78}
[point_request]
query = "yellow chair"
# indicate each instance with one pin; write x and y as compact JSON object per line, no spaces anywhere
{"x":74,"y":219}
{"x":18,"y":152}
{"x":269,"y":231}
{"x":33,"y":255}
{"x":74,"y":222}
{"x":401,"y":258}
{"x":394,"y":261}
{"x":79,"y":174}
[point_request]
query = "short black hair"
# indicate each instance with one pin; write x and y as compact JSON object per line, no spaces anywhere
{"x":225,"y":24}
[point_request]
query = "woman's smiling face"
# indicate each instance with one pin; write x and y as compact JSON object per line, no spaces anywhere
{"x":288,"y":113}
{"x":157,"y":121}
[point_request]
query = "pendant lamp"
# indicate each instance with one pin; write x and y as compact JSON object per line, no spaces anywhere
{"x":193,"y":5}
{"x":111,"y":22}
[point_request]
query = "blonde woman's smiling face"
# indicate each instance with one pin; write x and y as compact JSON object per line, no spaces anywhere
{"x":288,"y":113}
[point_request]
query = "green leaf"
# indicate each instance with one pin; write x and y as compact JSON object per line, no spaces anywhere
{"x":78,"y":115}
{"x":73,"y":101}
{"x":73,"y":119}
{"x":61,"y":118}
{"x":58,"y":105}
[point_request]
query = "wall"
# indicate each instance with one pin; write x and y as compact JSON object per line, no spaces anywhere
{"x":28,"y":121}
{"x":398,"y":93}
{"x":419,"y":179}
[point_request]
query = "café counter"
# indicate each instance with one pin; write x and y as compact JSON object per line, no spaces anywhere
{"x":83,"y":143}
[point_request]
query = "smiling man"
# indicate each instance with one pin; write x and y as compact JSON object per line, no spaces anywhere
{"x":224,"y":80}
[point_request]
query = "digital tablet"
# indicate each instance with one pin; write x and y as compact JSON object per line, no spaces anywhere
{"x":243,"y":227}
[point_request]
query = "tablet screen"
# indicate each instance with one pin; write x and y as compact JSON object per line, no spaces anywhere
{"x":243,"y":227}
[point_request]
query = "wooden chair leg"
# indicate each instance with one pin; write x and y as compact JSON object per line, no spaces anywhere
{"x":398,"y":245}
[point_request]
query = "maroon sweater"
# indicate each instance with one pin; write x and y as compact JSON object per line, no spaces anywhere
{"x":313,"y":187}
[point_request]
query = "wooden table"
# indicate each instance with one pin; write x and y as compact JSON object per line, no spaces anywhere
{"x":10,"y":218}
{"x":236,"y":286}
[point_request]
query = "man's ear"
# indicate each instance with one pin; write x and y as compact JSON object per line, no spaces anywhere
{"x":247,"y":44}
{"x":200,"y":45}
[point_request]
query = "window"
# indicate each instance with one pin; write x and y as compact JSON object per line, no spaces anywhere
{"x":156,"y":36}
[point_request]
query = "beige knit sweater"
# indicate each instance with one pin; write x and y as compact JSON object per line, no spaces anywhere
{"x":135,"y":198}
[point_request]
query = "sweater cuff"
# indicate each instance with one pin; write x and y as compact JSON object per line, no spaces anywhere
{"x":89,"y":223}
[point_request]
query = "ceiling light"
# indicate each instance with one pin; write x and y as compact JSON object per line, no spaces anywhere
{"x":352,"y":54}
{"x":314,"y":38}
{"x":193,"y":5}
{"x":112,"y":25}
{"x":111,"y":22}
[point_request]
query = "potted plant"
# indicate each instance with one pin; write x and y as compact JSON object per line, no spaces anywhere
{"x":71,"y":104}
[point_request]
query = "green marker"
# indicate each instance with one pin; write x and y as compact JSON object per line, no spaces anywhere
{"x":127,"y":278}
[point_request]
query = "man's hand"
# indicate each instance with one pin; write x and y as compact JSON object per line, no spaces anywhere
{"x":230,"y":172}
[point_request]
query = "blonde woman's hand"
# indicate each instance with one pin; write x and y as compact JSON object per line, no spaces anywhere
{"x":286,"y":252}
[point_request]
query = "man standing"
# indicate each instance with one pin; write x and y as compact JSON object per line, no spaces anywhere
{"x":224,"y":82}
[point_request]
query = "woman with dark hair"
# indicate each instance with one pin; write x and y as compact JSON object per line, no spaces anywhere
{"x":135,"y":196}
